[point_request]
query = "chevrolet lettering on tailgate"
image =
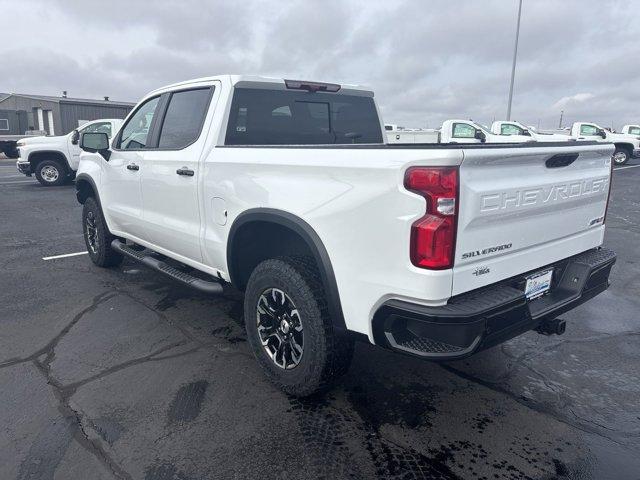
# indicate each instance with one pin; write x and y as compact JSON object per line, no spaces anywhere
{"x":511,"y":200}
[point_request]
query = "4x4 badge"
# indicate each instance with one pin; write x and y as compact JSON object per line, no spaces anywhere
{"x":481,"y":271}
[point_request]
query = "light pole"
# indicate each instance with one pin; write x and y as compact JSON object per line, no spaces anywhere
{"x":513,"y":67}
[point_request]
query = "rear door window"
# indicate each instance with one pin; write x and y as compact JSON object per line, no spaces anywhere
{"x":282,"y":117}
{"x":184,"y":118}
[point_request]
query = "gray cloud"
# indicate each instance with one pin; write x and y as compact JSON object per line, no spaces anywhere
{"x":427,"y":61}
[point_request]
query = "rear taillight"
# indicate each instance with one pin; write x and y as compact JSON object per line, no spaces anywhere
{"x":433,"y":237}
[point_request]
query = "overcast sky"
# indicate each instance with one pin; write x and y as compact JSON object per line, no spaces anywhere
{"x":426,"y":60}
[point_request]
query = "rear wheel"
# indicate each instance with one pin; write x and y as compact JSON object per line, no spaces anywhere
{"x":51,"y":173}
{"x":621,"y":156}
{"x":289,"y":327}
{"x":97,"y":237}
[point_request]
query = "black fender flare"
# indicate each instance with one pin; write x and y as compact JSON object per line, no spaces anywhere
{"x":626,"y":146}
{"x":310,"y":237}
{"x":57,"y":152}
{"x":83,"y":177}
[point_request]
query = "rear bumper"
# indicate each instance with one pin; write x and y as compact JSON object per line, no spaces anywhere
{"x":489,"y":316}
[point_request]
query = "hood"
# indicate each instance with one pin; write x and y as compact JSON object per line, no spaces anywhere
{"x":40,"y":139}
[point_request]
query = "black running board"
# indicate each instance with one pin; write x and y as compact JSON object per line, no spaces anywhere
{"x":212,"y":288}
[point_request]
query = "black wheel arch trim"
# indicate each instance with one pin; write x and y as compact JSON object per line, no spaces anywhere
{"x":313,"y":241}
{"x":625,"y":146}
{"x":83,"y":177}
{"x":57,"y":152}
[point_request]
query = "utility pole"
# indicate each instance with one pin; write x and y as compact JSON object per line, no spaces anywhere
{"x":513,"y":67}
{"x":560,"y":123}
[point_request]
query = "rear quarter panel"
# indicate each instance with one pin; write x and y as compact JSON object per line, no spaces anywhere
{"x":352,"y":198}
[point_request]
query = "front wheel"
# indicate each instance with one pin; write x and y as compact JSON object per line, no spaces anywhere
{"x":51,"y":173}
{"x":621,"y":156}
{"x":289,"y":327}
{"x":97,"y":237}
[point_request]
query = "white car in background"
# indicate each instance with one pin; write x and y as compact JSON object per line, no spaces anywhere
{"x":54,"y":159}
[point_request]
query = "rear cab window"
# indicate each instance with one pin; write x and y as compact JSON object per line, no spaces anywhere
{"x":261,"y":116}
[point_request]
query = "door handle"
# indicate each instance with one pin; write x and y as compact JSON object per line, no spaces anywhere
{"x":133,"y":166}
{"x":185,"y":171}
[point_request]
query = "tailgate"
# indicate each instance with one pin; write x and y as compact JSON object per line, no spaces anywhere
{"x":524,"y":207}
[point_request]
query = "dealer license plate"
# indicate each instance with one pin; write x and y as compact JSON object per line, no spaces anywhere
{"x":538,"y":284}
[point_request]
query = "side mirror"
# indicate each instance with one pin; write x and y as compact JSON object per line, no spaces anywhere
{"x":602,"y":133}
{"x":75,"y":136}
{"x":526,"y":133}
{"x":96,"y":142}
{"x":480,"y":135}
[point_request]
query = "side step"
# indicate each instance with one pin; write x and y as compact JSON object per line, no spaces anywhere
{"x":212,"y":288}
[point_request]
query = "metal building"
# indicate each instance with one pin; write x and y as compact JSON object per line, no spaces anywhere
{"x":54,"y":115}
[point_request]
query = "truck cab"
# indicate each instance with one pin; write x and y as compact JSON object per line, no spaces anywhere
{"x":627,"y":145}
{"x":517,"y":130}
{"x":54,"y":159}
{"x":631,"y":130}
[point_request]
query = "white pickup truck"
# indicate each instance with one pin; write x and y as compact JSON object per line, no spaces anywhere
{"x":514,"y":129}
{"x":54,"y":159}
{"x":627,"y":145}
{"x":286,"y":190}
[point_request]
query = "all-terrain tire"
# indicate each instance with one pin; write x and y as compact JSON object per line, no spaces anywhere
{"x":621,"y":156}
{"x":326,"y":354}
{"x":97,"y":236}
{"x":51,"y":173}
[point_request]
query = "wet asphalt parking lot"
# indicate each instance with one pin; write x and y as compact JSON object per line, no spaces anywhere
{"x":123,"y":374}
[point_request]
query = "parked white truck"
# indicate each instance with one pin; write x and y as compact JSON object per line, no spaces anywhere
{"x":54,"y":159}
{"x":514,"y":129}
{"x":627,"y":145}
{"x":286,"y":190}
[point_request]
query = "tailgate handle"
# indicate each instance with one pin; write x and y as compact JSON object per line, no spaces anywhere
{"x":561,"y":160}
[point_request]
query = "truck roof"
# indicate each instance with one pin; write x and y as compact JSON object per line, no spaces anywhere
{"x":256,"y":80}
